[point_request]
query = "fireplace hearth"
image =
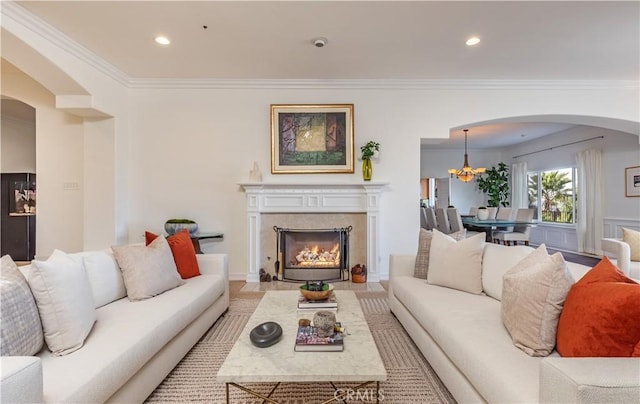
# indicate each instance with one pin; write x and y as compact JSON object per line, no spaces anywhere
{"x":312,"y":254}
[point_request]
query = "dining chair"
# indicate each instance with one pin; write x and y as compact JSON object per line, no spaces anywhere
{"x":520,"y":231}
{"x":442,"y":221}
{"x":492,"y":212}
{"x":473,"y":211}
{"x":431,"y":218}
{"x":455,"y":221}
{"x":504,"y":213}
{"x":423,"y":218}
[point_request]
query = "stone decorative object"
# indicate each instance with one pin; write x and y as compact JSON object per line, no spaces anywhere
{"x":316,"y":290}
{"x":265,"y":334}
{"x":173,"y":226}
{"x":483,"y":213}
{"x":325,"y":322}
{"x":264,"y":276}
{"x":255,"y":175}
{"x":359,"y":273}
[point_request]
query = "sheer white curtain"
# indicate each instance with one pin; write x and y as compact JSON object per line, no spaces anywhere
{"x":589,"y":211}
{"x":519,"y":195}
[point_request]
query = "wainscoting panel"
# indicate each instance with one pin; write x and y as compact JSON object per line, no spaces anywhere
{"x":613,"y":226}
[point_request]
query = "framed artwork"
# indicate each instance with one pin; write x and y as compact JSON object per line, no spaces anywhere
{"x":632,"y":181}
{"x":311,"y":139}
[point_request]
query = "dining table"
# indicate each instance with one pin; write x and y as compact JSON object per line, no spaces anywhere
{"x":488,"y":225}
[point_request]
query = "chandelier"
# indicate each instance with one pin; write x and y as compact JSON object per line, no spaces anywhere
{"x":466,"y":173}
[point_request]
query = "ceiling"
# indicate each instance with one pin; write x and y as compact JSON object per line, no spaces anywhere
{"x":535,"y":40}
{"x":407,"y":40}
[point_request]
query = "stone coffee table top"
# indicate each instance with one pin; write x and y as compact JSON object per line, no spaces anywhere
{"x":359,"y":362}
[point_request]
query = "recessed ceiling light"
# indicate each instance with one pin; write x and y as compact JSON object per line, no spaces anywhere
{"x":162,"y":40}
{"x":474,"y":40}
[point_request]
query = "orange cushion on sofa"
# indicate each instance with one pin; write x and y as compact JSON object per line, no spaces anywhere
{"x":183,"y":252}
{"x":600,"y":315}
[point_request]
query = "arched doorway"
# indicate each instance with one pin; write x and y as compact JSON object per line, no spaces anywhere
{"x":18,"y":167}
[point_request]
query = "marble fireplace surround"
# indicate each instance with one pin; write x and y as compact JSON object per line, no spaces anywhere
{"x":300,"y":198}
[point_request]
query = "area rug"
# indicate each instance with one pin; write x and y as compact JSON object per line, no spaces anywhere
{"x":410,"y":379}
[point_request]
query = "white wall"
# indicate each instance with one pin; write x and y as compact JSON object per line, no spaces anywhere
{"x":17,"y":141}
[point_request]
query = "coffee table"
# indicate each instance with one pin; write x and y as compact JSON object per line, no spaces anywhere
{"x":360,"y":361}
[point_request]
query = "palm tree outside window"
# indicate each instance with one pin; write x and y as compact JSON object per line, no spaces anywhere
{"x":552,"y":195}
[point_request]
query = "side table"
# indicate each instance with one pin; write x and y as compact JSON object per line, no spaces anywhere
{"x":195,"y":239}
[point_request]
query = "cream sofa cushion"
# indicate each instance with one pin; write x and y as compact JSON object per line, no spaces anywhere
{"x":533,"y":295}
{"x":632,"y":238}
{"x":147,"y":270}
{"x":456,"y":264}
{"x":104,"y":276}
{"x":20,"y":327}
{"x":65,"y":303}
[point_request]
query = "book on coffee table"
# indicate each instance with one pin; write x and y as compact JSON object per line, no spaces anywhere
{"x":307,"y":340}
{"x":304,"y":303}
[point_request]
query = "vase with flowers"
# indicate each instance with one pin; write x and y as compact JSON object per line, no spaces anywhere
{"x":369,"y":150}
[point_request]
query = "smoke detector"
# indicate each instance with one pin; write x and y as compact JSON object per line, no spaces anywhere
{"x":320,"y":42}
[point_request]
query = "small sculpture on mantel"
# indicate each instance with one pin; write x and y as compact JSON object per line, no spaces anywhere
{"x":255,"y":175}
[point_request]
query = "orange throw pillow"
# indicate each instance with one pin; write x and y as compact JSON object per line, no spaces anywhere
{"x":183,"y":252}
{"x":600,"y":315}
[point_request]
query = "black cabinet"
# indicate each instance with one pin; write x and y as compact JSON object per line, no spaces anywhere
{"x":18,"y":225}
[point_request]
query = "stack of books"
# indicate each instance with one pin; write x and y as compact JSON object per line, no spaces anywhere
{"x":307,"y":340}
{"x":306,"y":305}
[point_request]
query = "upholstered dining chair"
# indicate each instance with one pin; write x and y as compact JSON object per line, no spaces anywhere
{"x":423,"y":218}
{"x":520,"y":231}
{"x":431,"y":218}
{"x":504,"y":213}
{"x":442,"y":221}
{"x":473,"y":211}
{"x":492,"y":212}
{"x":455,"y":221}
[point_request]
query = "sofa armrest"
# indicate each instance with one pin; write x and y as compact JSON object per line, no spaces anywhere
{"x":213,"y":264}
{"x":620,"y":251}
{"x":590,"y":380}
{"x":401,"y":265}
{"x":20,"y":379}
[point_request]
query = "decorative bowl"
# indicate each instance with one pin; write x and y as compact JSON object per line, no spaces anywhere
{"x":265,"y":334}
{"x":176,"y":225}
{"x":325,"y":293}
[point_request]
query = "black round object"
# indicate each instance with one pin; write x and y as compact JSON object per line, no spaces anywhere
{"x":265,"y":334}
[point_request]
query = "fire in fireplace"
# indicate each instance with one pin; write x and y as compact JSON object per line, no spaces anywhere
{"x":312,"y":254}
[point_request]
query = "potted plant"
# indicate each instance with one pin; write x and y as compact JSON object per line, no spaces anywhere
{"x":495,"y":183}
{"x":483,"y":213}
{"x":173,"y":226}
{"x":369,"y":151}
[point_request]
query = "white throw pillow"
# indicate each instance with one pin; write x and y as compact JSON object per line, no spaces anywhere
{"x":105,"y":277}
{"x":456,"y":264}
{"x":65,"y":303}
{"x":147,"y":270}
{"x":533,"y":296}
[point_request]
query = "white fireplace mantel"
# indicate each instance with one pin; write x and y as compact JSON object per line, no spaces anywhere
{"x":270,"y":197}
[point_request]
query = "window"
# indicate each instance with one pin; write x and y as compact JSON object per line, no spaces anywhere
{"x":552,"y":195}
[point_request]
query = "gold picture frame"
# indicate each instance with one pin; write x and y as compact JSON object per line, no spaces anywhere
{"x":312,"y":139}
{"x":632,"y":181}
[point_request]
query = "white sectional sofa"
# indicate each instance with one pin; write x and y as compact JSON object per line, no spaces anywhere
{"x":463,"y":337}
{"x":132,"y":346}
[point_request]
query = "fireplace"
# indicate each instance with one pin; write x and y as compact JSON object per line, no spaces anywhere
{"x":312,"y":254}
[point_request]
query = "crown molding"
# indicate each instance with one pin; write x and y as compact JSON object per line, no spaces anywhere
{"x":40,"y":27}
{"x":384,"y":84}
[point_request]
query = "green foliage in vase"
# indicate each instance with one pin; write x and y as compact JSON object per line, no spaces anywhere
{"x":182,"y":221}
{"x":369,"y":150}
{"x":495,"y":183}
